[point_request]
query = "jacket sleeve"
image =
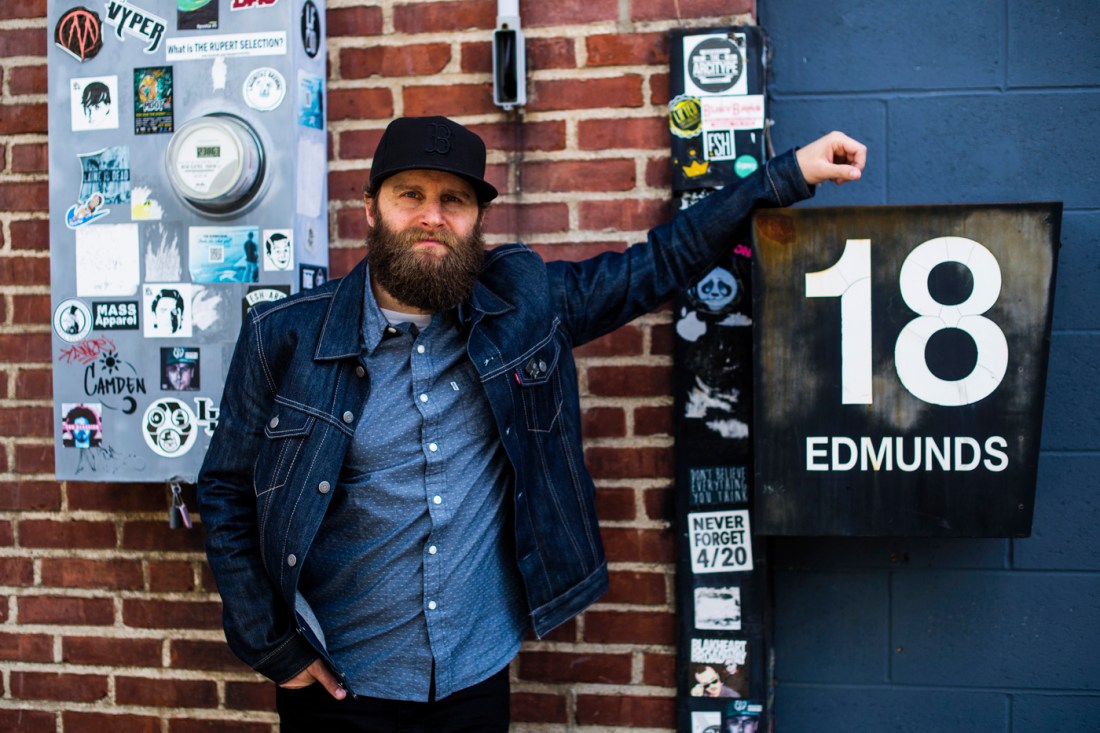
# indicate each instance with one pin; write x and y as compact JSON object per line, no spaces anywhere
{"x":598,"y":295}
{"x":259,"y":626}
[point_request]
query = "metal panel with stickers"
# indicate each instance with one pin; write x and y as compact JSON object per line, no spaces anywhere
{"x":188,"y":174}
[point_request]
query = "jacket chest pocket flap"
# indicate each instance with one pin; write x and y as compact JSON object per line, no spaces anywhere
{"x":540,"y":386}
{"x":286,"y":432}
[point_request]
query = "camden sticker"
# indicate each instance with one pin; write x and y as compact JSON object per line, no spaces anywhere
{"x":115,"y":315}
{"x":715,"y":64}
{"x":169,"y":427}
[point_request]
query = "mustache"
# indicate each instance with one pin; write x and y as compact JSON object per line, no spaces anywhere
{"x":414,"y":234}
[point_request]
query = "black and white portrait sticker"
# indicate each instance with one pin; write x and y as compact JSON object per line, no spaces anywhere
{"x":72,"y":321}
{"x":715,"y":64}
{"x":169,"y":427}
{"x":278,"y":250}
{"x":92,"y":102}
{"x":167,"y":310}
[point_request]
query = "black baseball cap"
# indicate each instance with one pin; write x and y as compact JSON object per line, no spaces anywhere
{"x":432,"y":143}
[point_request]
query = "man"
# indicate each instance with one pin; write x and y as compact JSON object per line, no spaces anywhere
{"x":179,"y":368}
{"x":396,"y":489}
{"x":709,"y":684}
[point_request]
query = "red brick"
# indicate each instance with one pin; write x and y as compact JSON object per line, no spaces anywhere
{"x":531,"y":707}
{"x":29,"y":158}
{"x":30,"y":234}
{"x":360,"y":104}
{"x":625,"y":341}
{"x":565,"y":667}
{"x":171,"y":614}
{"x":615,"y":504}
{"x":249,"y":695}
{"x":30,"y":309}
{"x":645,"y":133}
{"x":449,"y":99}
{"x":630,"y":49}
{"x":67,"y":572}
{"x":658,"y":173}
{"x":624,"y":710}
{"x":661,"y":340}
{"x":522,"y":136}
{"x":29,"y":80}
{"x":24,"y":270}
{"x":205,"y":655}
{"x":578,"y":175}
{"x":66,"y":533}
{"x":406,"y":60}
{"x":681,"y":9}
{"x":550,"y":53}
{"x":633,"y":586}
{"x":7,"y":536}
{"x":653,"y":420}
{"x":120,"y":498}
{"x":351,"y":223}
{"x":569,"y":12}
{"x":603,"y":422}
{"x":66,"y":611}
{"x":613,"y":463}
{"x":617,"y":91}
{"x":23,"y":195}
{"x":659,"y":503}
{"x":353,"y":22}
{"x":444,"y":16}
{"x":16,"y":571}
{"x":566,"y":633}
{"x":356,"y":144}
{"x":26,"y":422}
{"x":166,"y":577}
{"x":630,"y":381}
{"x":659,"y":89}
{"x":346,"y":185}
{"x":628,"y":215}
{"x":26,"y":647}
{"x":576,"y":252}
{"x":630,"y":627}
{"x":29,"y":495}
{"x":520,"y":219}
{"x":623,"y":544}
{"x":22,"y":9}
{"x":23,"y":42}
{"x":108,"y":723}
{"x":497,"y":174}
{"x":28,"y":721}
{"x":165,"y":693}
{"x":55,"y":686}
{"x":159,"y":536}
{"x":207,"y":582}
{"x":111,"y":652}
{"x":341,"y":261}
{"x":21,"y":118}
{"x":186,"y":725}
{"x":659,"y":670}
{"x":31,"y":458}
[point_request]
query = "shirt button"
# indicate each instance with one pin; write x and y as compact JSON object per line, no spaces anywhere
{"x":324,"y":487}
{"x":274,"y":422}
{"x":291,"y":560}
{"x":437,"y":499}
{"x":348,"y":417}
{"x":432,"y":550}
{"x":420,"y":349}
{"x":431,"y":605}
{"x":360,"y":372}
{"x":423,"y":398}
{"x":433,"y":447}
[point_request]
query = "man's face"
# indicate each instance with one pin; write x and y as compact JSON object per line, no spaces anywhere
{"x":424,"y":244}
{"x":95,"y":113}
{"x":280,"y":252}
{"x":710,"y":682}
{"x":180,"y":375}
{"x":166,"y":308}
{"x":82,"y":433}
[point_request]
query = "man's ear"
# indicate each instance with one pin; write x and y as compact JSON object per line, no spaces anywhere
{"x":367,"y":201}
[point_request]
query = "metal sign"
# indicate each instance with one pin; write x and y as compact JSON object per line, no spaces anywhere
{"x":900,"y":361}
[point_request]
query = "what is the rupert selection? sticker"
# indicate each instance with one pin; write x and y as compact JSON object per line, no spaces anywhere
{"x":79,"y":33}
{"x":311,"y":28}
{"x":92,"y":101}
{"x":715,"y":64}
{"x":720,"y":542}
{"x":131,"y":20}
{"x":196,"y":15}
{"x":153,"y":105}
{"x":72,"y":321}
{"x":169,"y":427}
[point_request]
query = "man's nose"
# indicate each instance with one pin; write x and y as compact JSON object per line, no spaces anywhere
{"x":431,"y":214}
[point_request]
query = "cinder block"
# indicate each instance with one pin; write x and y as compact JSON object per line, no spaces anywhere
{"x":1060,"y":713}
{"x":1076,"y":297}
{"x":1053,"y":44}
{"x":1071,"y":413}
{"x":1067,"y":513}
{"x":844,"y":710}
{"x":896,"y":554}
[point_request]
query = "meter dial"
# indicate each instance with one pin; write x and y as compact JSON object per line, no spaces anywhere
{"x":216,"y":164}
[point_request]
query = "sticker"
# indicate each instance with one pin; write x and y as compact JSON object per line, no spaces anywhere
{"x":169,"y":427}
{"x":745,"y":165}
{"x":79,"y":33}
{"x":706,"y":722}
{"x":685,"y":116}
{"x":742,"y":716}
{"x":311,"y":106}
{"x":718,"y":485}
{"x":718,"y":145}
{"x":250,"y":4}
{"x":720,"y":542}
{"x":745,"y":112}
{"x":142,"y":207}
{"x":81,"y":426}
{"x":210,"y":312}
{"x":278,"y":250}
{"x":179,"y":368}
{"x":92,"y":103}
{"x":715,"y":64}
{"x":106,"y":172}
{"x":153,"y":109}
{"x":312,"y":160}
{"x":193,"y":48}
{"x":136,"y":22}
{"x":107,"y":260}
{"x":115,"y":315}
{"x":72,"y":320}
{"x":219,"y":70}
{"x":264,"y":89}
{"x":167,"y":309}
{"x":110,"y":376}
{"x":311,"y":276}
{"x":86,"y":211}
{"x":206,"y":414}
{"x":718,"y":292}
{"x":161,"y":245}
{"x":196,"y":15}
{"x":224,"y":254}
{"x":263,"y":294}
{"x":311,"y":29}
{"x":718,"y":608}
{"x":716,"y":668}
{"x":696,"y":168}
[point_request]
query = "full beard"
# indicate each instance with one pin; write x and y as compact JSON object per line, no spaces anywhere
{"x":424,"y":281}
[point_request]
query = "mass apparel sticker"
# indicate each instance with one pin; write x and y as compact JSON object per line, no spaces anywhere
{"x":311,"y":29}
{"x":264,"y":89}
{"x":92,"y":101}
{"x":136,"y":22}
{"x":169,"y":427}
{"x":115,"y":315}
{"x":196,"y":15}
{"x":153,"y":107}
{"x":79,"y":33}
{"x":72,"y":320}
{"x":720,"y":542}
{"x":715,"y":64}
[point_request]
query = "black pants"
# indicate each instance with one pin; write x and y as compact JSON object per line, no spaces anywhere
{"x":481,"y":708}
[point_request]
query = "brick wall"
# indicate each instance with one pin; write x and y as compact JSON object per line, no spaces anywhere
{"x":110,"y":621}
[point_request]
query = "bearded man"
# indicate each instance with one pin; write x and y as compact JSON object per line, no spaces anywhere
{"x":396,"y":489}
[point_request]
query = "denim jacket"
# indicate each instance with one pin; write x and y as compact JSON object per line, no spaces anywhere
{"x":296,"y":384}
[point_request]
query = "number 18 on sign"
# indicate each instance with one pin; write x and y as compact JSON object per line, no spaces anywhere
{"x":900,"y":363}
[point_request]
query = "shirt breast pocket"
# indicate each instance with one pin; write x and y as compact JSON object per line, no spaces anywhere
{"x":285,"y":438}
{"x":540,"y":387}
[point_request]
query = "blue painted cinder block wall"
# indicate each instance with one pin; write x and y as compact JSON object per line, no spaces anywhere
{"x":983,"y":100}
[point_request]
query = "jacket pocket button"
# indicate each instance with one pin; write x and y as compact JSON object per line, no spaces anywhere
{"x":324,"y":487}
{"x":274,"y":422}
{"x":348,"y":417}
{"x":360,"y":372}
{"x":291,"y":560}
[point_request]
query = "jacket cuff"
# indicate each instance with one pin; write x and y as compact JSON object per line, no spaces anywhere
{"x":785,"y":179}
{"x":287,"y":660}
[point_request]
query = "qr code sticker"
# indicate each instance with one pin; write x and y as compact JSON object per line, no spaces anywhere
{"x":216,"y":254}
